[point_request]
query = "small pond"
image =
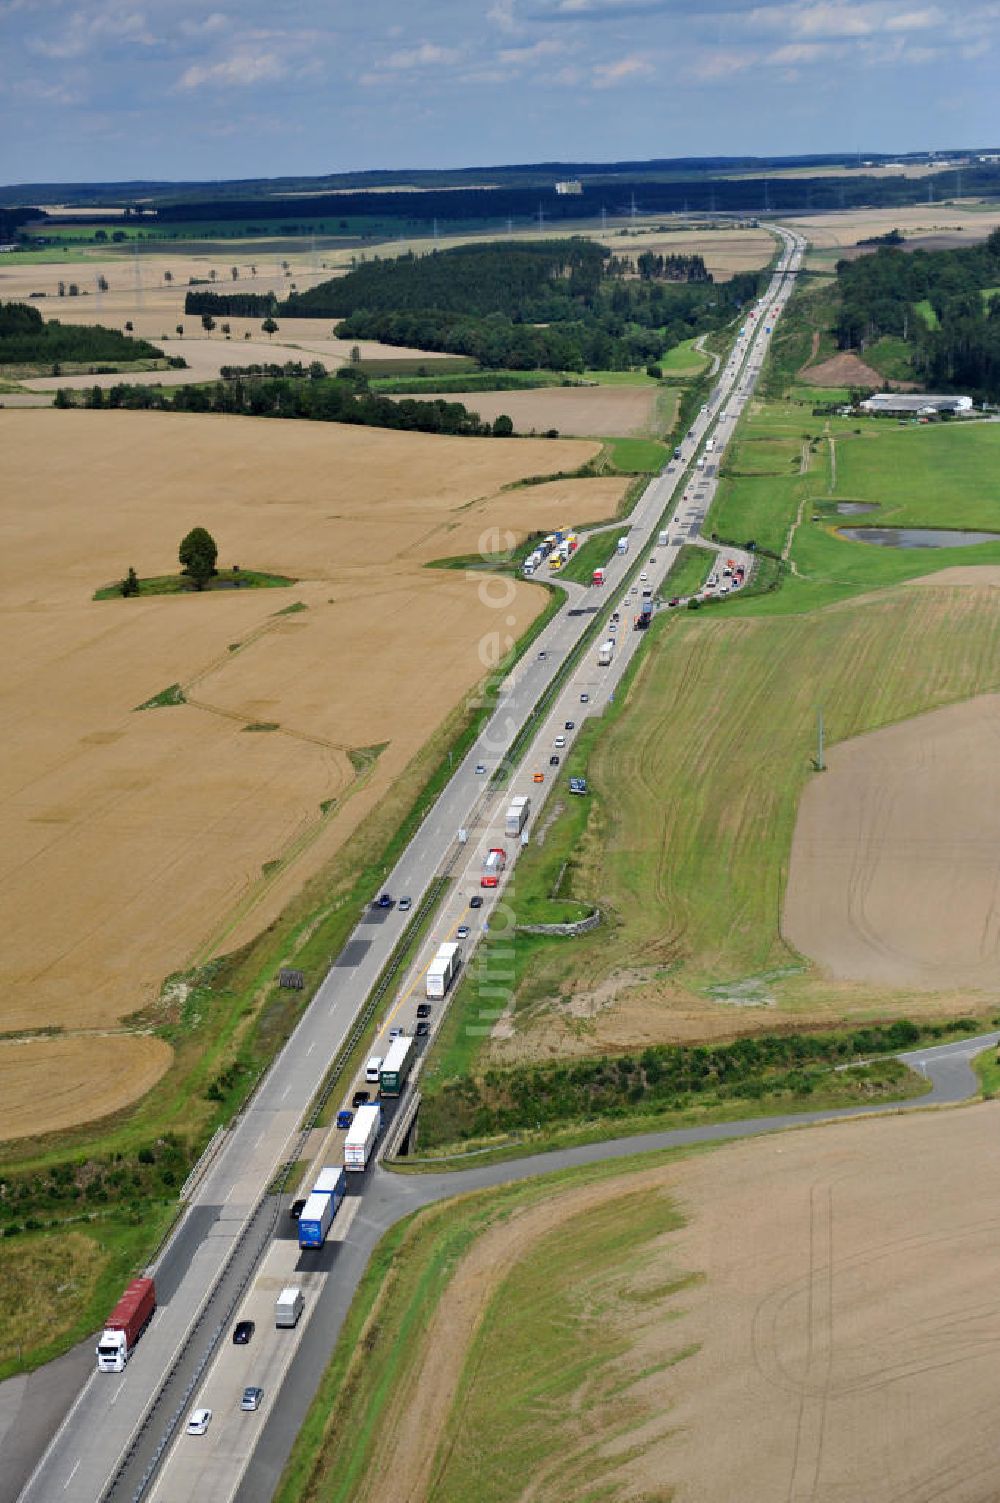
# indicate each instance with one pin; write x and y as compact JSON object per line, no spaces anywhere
{"x":917,"y":537}
{"x":854,"y":508}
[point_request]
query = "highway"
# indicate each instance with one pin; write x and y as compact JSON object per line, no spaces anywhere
{"x":233,"y":1249}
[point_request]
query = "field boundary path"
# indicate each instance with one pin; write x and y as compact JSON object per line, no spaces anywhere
{"x":106,"y":1421}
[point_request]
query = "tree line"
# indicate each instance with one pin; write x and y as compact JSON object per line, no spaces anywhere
{"x":231,"y":304}
{"x":26,"y":338}
{"x":957,"y":348}
{"x":329,"y":401}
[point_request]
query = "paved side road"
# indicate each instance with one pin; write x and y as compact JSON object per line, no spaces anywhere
{"x":388,"y":1197}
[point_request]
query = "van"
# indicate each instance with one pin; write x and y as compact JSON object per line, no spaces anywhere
{"x":373,"y":1070}
{"x":288,"y":1307}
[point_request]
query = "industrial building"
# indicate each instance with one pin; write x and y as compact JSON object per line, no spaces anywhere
{"x":914,"y":404}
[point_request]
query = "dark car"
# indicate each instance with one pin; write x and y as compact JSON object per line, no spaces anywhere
{"x":344,"y":1118}
{"x":553,"y":761}
{"x":585,"y":698}
{"x":570,"y":725}
{"x":244,"y":1329}
{"x":422,"y":1030}
{"x":676,"y":600}
{"x":296,"y":1208}
{"x":385,"y":901}
{"x":424,"y":1010}
{"x":476,"y":901}
{"x":359,"y":1098}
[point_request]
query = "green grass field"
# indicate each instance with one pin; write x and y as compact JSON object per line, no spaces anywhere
{"x":925,"y":308}
{"x":690,"y":570}
{"x":683,"y":360}
{"x":177,"y":584}
{"x":695,"y":786}
{"x":637,"y":456}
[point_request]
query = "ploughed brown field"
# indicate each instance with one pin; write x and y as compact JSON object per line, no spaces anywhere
{"x":601,"y":411}
{"x":136,"y":843}
{"x":822,"y":1328}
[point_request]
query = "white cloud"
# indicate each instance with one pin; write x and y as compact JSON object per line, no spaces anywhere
{"x":211,"y":25}
{"x":427,"y":55}
{"x":84,"y":31}
{"x":544,"y":47}
{"x":239,"y":71}
{"x":800,"y":52}
{"x":608,"y":75}
{"x":719,"y":64}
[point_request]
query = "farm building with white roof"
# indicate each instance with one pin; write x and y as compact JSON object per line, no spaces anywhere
{"x":917,"y":404}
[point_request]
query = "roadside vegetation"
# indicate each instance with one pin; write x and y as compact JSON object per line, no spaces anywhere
{"x":653,"y":1088}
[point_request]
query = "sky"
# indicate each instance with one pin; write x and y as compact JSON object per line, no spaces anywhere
{"x":111,"y":90}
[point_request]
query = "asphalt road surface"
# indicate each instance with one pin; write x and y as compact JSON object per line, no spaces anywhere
{"x":231,"y":1242}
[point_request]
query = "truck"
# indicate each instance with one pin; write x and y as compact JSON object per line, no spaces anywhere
{"x":598,"y":576}
{"x":441,"y":972}
{"x":645,"y":615}
{"x":517,"y":815}
{"x":662,"y":538}
{"x":321,"y":1206}
{"x":709,"y":445}
{"x":315,"y":1219}
{"x":396,"y":1066}
{"x":125,"y":1325}
{"x":288,"y":1307}
{"x":493,"y":867}
{"x":361,"y":1136}
{"x":605,"y":653}
{"x":623,"y":545}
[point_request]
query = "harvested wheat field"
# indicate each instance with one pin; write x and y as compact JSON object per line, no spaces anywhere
{"x":962,"y":223}
{"x":50,"y":1084}
{"x":894,"y":876}
{"x":136,"y":842}
{"x":820,"y":1325}
{"x":601,"y":411}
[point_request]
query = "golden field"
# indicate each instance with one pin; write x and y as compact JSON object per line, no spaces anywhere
{"x":135,"y":843}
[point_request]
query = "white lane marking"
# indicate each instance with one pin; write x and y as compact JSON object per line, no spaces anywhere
{"x":285,"y":1092}
{"x":311,"y":1047}
{"x":114,"y":1396}
{"x":72,"y":1474}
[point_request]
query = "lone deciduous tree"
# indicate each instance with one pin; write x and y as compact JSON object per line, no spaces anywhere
{"x":198,"y":553}
{"x":269,"y":327}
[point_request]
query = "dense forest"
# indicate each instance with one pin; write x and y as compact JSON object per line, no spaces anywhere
{"x":231,"y":304}
{"x":604,"y":188}
{"x":558,"y":304}
{"x":941,"y":302}
{"x":325,"y":400}
{"x":26,"y":339}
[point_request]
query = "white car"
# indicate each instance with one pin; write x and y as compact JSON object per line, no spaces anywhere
{"x":199,"y":1421}
{"x":560,"y":741}
{"x":643,"y":577}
